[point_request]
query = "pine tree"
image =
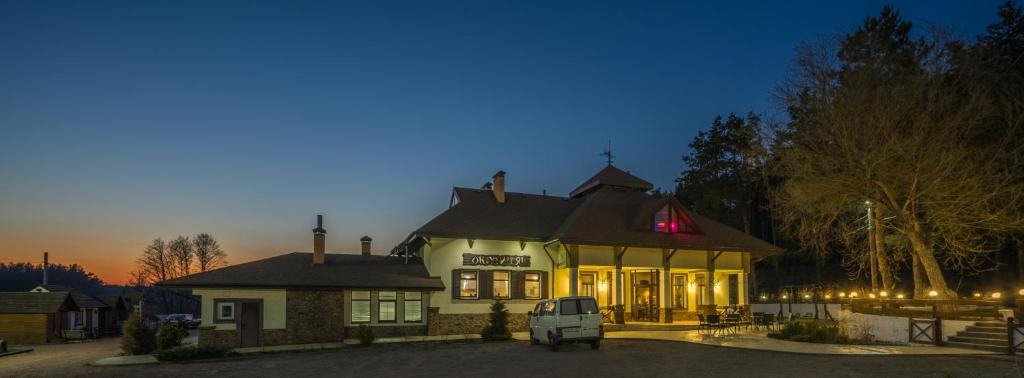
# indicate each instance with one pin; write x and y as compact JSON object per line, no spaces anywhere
{"x":497,"y":329}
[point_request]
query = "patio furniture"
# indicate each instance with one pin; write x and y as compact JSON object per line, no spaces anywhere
{"x":769,"y":321}
{"x":73,"y":334}
{"x":702,"y":323}
{"x":732,"y":322}
{"x":607,"y":314}
{"x":715,"y":324}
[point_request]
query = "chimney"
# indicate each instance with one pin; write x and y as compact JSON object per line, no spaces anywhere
{"x":319,"y":235}
{"x":365,"y":241}
{"x":499,"y":186}
{"x":46,"y":268}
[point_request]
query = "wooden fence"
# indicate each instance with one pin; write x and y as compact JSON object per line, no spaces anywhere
{"x":951,"y":309}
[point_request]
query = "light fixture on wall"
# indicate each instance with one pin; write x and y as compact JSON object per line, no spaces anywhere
{"x":602,"y":286}
{"x":997,"y":295}
{"x":692,"y":286}
{"x":883,"y":294}
{"x":933,"y":294}
{"x":899,"y":296}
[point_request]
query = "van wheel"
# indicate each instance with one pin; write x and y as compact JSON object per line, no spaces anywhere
{"x":533,"y":340}
{"x":553,"y":340}
{"x":595,"y":344}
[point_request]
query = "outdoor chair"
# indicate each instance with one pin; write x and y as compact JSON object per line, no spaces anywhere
{"x":732,"y":322}
{"x":769,"y":321}
{"x":757,"y":319}
{"x":702,"y":323}
{"x":715,"y":323}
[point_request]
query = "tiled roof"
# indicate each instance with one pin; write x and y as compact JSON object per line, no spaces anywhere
{"x":35,"y":303}
{"x":82,"y":299}
{"x":612,"y":208}
{"x":296,"y":270}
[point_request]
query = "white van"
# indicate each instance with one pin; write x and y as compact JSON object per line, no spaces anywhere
{"x":566,"y":320}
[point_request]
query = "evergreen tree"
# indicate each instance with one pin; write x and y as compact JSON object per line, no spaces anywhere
{"x":497,"y":327}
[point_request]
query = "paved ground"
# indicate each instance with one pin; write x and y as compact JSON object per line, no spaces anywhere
{"x":58,"y":359}
{"x":616,"y":358}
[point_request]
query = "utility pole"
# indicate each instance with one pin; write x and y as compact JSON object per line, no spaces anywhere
{"x":873,"y":261}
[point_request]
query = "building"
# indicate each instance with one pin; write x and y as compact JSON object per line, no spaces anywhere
{"x":35,"y":318}
{"x":92,"y":315}
{"x":303,"y":298}
{"x":643,"y":256}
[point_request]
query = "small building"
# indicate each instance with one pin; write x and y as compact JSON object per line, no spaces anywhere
{"x":35,"y":318}
{"x":92,"y":313}
{"x":303,"y":298}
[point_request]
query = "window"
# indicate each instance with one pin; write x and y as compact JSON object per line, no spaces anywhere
{"x":467,"y":285}
{"x":360,"y":307}
{"x":501,"y":286}
{"x":225,"y":310}
{"x":588,"y":306}
{"x":387,"y":306}
{"x":569,"y":307}
{"x":532,"y":284}
{"x":548,"y":309}
{"x":587,"y":284}
{"x":413,"y":306}
{"x":678,"y":291}
{"x":668,"y":220}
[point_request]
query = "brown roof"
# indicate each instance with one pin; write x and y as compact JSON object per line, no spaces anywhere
{"x":296,"y":270}
{"x":35,"y":303}
{"x":610,"y":209}
{"x":82,"y":299}
{"x":611,"y":177}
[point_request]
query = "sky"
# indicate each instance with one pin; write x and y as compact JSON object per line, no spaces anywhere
{"x":121,"y":122}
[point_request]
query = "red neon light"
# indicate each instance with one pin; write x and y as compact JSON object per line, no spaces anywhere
{"x":675,"y":227}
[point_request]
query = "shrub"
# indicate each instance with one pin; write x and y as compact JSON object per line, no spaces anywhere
{"x":137,"y":338}
{"x":811,"y":332}
{"x":169,"y":336}
{"x":365,"y":335}
{"x":497,"y":327}
{"x":187,"y":353}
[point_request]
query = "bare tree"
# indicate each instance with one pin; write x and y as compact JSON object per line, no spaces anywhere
{"x":208,"y":253}
{"x":181,"y":252}
{"x":918,"y":145}
{"x":156,"y":263}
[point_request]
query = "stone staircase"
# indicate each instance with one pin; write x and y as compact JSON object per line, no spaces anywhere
{"x":990,"y":336}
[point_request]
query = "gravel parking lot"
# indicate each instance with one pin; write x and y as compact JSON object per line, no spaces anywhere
{"x":616,"y":358}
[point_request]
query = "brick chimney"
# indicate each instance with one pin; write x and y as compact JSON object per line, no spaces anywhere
{"x":499,"y":186}
{"x":365,"y":241}
{"x":319,"y":236}
{"x":46,"y":268}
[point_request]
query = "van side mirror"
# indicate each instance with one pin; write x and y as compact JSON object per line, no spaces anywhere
{"x":529,"y":313}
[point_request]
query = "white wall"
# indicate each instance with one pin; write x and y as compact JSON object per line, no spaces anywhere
{"x":446,"y":254}
{"x":798,"y":308}
{"x":890,"y":329}
{"x":274,"y":302}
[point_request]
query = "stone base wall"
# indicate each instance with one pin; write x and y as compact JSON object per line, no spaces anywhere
{"x":468,"y":324}
{"x":390,"y":331}
{"x":312,"y":316}
{"x":210,"y":337}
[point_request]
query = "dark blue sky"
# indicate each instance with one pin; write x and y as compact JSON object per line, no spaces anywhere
{"x":125,"y":121}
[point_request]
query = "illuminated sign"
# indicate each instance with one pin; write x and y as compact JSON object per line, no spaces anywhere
{"x":472,"y":259}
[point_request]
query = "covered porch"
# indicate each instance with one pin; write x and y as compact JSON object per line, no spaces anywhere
{"x":637,"y":285}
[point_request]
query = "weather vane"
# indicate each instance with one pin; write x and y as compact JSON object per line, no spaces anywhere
{"x":608,"y":153}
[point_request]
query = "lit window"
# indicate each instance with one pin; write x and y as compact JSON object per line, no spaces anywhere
{"x":668,"y":220}
{"x":387,"y":306}
{"x":587,"y":284}
{"x":678,"y":291}
{"x":226,"y":311}
{"x":413,"y":306}
{"x":360,"y":307}
{"x":468,"y":285}
{"x":532,"y":284}
{"x":501,"y":280}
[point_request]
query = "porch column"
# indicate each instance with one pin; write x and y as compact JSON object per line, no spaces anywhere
{"x":620,"y":311}
{"x":748,"y":273}
{"x":573,"y":260}
{"x":666,"y":285}
{"x":710,"y":286}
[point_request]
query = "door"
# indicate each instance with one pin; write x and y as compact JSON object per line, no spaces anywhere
{"x":590,"y":318}
{"x":249,"y":325}
{"x":569,"y":318}
{"x":645,"y":295}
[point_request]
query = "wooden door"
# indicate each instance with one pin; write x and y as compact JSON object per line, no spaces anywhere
{"x":249,"y":325}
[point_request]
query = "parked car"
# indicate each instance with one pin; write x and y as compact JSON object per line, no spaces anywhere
{"x":566,"y":320}
{"x":182,"y":320}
